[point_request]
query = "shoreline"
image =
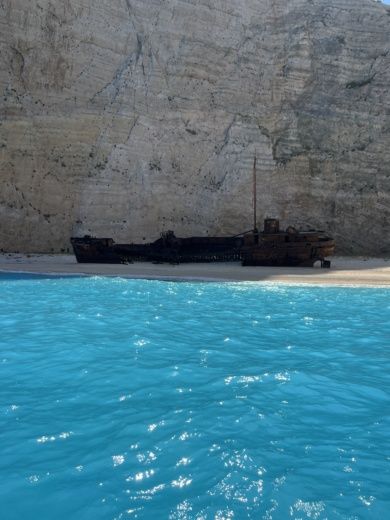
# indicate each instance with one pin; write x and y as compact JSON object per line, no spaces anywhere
{"x":345,"y":271}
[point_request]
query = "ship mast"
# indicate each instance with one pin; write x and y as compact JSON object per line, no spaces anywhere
{"x":255,"y":230}
{"x":254,"y":196}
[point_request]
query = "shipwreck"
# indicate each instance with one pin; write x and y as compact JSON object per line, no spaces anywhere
{"x":269,"y":247}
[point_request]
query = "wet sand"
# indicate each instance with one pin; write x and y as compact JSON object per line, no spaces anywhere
{"x":344,"y":270}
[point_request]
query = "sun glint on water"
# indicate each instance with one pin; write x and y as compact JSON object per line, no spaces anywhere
{"x":153,"y":400}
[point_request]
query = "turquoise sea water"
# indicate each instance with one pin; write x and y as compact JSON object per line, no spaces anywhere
{"x":158,"y":400}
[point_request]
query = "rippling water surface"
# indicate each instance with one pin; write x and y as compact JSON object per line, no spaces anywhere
{"x":158,"y":400}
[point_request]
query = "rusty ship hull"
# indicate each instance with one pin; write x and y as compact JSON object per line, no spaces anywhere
{"x":270,"y":247}
{"x":288,"y":248}
{"x":168,"y":248}
{"x":300,"y":254}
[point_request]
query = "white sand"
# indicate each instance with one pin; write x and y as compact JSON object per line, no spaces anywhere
{"x":344,"y":271}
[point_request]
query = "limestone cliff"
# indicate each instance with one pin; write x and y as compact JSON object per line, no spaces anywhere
{"x":124,"y":118}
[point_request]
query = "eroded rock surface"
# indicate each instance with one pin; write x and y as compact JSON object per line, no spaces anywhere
{"x":125,"y":118}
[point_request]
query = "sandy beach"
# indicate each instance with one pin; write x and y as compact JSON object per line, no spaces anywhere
{"x":344,"y":270}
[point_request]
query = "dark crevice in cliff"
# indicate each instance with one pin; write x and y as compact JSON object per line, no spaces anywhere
{"x":361,"y":82}
{"x":116,"y":81}
{"x":226,"y":134}
{"x":133,"y":125}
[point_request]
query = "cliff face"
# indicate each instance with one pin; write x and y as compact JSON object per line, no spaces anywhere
{"x":127,"y":118}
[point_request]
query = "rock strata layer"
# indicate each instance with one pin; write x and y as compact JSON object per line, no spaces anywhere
{"x":126,"y":118}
